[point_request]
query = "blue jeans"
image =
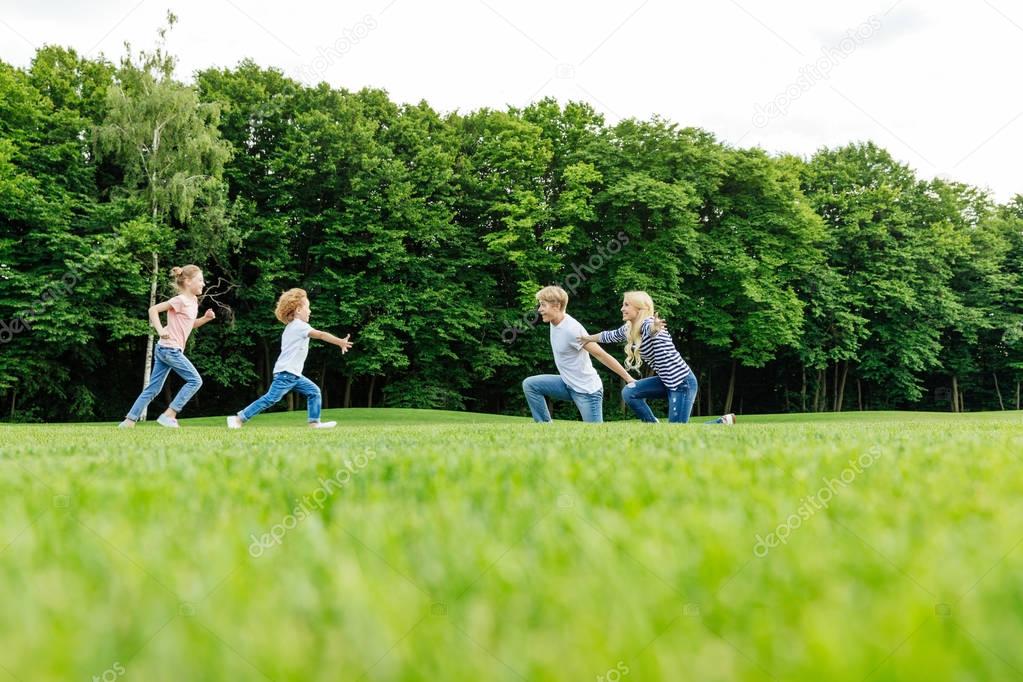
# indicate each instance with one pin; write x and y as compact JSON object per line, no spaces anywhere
{"x":282,"y":383}
{"x":167,"y":359}
{"x":680,"y":400}
{"x":591,"y":405}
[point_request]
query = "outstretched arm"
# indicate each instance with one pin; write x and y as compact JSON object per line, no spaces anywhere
{"x":654,"y":328}
{"x":608,"y":361}
{"x":609,"y":336}
{"x":344,"y":344}
{"x":200,"y":321}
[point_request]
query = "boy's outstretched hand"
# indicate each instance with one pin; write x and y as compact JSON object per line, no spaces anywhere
{"x":344,"y":344}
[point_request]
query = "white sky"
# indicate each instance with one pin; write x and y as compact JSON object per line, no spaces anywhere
{"x":936,"y":82}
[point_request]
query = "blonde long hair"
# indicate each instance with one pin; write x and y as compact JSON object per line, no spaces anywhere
{"x":641,"y":301}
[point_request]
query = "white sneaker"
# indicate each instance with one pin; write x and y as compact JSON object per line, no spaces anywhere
{"x":126,"y":424}
{"x":169,"y":422}
{"x":234,"y":422}
{"x":728,"y":419}
{"x":322,"y":425}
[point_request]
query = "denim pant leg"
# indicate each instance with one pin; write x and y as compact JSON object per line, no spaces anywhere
{"x":539,"y":386}
{"x":680,"y":401}
{"x":591,"y":406}
{"x":312,"y":396}
{"x":282,"y":383}
{"x":635,"y":397}
{"x":156,"y":379}
{"x":184,"y":368}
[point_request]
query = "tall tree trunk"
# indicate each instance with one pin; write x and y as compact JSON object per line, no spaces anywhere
{"x":14,"y":400}
{"x":998,"y":390}
{"x":824,"y":389}
{"x":820,"y":393}
{"x":154,"y":277}
{"x":834,"y":388}
{"x":859,"y":394}
{"x":348,"y":391}
{"x":262,"y":358}
{"x":268,"y":374}
{"x":962,"y":400}
{"x":1017,"y":395}
{"x":802,"y":390}
{"x":955,"y":393}
{"x":260,"y":366}
{"x":323,"y":385}
{"x":710,"y":396}
{"x":698,"y":403}
{"x":291,"y":401}
{"x":731,"y":390}
{"x":372,"y":386}
{"x":841,"y":388}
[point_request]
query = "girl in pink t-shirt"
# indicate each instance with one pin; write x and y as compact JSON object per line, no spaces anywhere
{"x":182,"y":317}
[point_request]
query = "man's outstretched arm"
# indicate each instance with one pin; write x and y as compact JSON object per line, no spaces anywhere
{"x":608,"y":361}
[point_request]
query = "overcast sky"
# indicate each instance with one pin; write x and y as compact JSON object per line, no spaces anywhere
{"x":937,"y":83}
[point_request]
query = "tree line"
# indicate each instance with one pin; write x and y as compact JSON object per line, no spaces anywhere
{"x":835,"y":282}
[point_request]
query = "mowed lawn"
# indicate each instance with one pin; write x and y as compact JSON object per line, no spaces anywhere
{"x":409,"y":545}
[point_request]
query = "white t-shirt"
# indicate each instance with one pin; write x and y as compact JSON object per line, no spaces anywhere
{"x":294,"y":347}
{"x":572,"y":360}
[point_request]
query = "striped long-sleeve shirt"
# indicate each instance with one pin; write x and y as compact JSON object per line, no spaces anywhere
{"x":658,"y":351}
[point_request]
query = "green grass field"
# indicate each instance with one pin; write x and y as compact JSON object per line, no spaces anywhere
{"x":409,"y":545}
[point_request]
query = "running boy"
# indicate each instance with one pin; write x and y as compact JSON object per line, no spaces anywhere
{"x":293,"y":310}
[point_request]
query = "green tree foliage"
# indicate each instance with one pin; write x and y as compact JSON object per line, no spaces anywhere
{"x":823,"y":283}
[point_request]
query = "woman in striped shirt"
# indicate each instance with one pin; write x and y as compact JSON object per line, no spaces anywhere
{"x":646,"y":340}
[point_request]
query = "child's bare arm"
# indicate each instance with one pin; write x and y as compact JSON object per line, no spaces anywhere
{"x":344,"y":344}
{"x":200,"y":321}
{"x":154,"y":318}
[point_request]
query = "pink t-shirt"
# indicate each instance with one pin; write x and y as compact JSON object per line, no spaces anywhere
{"x":180,"y":317}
